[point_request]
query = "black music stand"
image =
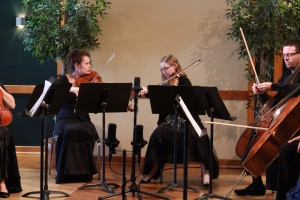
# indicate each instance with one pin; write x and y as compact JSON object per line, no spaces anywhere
{"x":136,"y":146}
{"x":214,"y":106}
{"x":51,"y":104}
{"x":169,"y":106}
{"x":103,"y":98}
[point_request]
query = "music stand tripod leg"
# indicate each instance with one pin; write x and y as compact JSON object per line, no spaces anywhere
{"x":174,"y":184}
{"x":210,"y":194}
{"x":44,"y":192}
{"x":103,"y":183}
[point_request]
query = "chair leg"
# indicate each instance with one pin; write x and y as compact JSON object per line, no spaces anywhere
{"x":98,"y":153}
{"x":51,"y":154}
{"x":161,"y":174}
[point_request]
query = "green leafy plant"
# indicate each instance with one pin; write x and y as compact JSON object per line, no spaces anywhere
{"x":54,"y":27}
{"x":266,"y":24}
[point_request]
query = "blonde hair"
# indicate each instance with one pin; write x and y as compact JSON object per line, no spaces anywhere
{"x":170,"y":59}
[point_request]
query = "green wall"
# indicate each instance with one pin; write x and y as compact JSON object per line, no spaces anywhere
{"x":18,"y":67}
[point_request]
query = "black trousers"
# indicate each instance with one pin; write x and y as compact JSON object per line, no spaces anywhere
{"x":289,"y":169}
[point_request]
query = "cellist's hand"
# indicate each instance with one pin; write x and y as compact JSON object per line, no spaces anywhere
{"x":256,"y":90}
{"x":266,"y":86}
{"x":296,"y":139}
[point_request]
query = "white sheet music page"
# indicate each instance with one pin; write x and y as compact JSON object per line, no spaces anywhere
{"x":38,"y":103}
{"x":191,"y":119}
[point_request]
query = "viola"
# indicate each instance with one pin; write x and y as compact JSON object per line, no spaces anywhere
{"x":5,"y":114}
{"x":92,"y":77}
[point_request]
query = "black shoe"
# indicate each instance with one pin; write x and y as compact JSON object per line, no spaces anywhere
{"x":4,"y":194}
{"x":146,"y":179}
{"x":252,"y":191}
{"x":206,"y":185}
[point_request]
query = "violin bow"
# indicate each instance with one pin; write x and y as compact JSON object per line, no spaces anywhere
{"x":179,"y":72}
{"x":250,"y":58}
{"x":107,"y":62}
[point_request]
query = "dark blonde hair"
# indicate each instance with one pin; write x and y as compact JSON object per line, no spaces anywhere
{"x":75,"y":56}
{"x":170,"y":59}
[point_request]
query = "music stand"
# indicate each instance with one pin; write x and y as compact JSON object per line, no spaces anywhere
{"x":170,"y":106}
{"x":136,"y":145}
{"x":103,"y":98}
{"x":51,"y":104}
{"x":214,"y":106}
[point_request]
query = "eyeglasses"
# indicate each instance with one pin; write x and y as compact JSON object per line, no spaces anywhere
{"x":165,"y":68}
{"x":289,"y":54}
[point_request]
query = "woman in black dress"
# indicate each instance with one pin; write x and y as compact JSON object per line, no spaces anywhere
{"x":76,"y":133}
{"x":9,"y":171}
{"x":161,"y":143}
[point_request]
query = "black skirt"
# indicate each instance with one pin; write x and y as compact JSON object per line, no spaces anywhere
{"x":9,"y":169}
{"x":74,"y":150}
{"x":161,"y":149}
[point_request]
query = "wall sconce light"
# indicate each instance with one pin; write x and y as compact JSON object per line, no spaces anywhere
{"x":20,"y":21}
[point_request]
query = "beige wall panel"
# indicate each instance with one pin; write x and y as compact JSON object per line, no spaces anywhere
{"x":141,"y":32}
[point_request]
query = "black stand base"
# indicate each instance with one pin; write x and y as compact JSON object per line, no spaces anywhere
{"x":46,"y":194}
{"x":211,"y":196}
{"x":175,"y":185}
{"x":134,"y":188}
{"x":102,"y":185}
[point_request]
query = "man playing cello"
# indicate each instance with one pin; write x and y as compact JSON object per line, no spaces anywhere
{"x":289,"y":156}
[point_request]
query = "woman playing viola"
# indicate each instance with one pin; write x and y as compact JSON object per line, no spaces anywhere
{"x":76,"y":133}
{"x":9,"y":171}
{"x":161,"y":143}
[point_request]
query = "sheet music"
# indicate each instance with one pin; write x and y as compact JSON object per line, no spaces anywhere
{"x":38,"y":103}
{"x":190,"y":117}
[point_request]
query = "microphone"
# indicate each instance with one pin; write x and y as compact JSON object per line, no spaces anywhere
{"x":139,"y":140}
{"x":111,"y":141}
{"x":137,"y":85}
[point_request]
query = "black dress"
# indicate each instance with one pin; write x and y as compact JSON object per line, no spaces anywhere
{"x":75,"y":143}
{"x":9,"y":169}
{"x":161,"y":144}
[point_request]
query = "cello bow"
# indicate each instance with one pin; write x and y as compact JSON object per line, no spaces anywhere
{"x":250,"y":58}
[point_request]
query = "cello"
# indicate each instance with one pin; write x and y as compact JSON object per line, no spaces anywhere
{"x":283,"y":125}
{"x":248,"y":137}
{"x":5,"y":114}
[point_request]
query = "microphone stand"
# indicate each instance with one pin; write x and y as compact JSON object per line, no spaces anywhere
{"x":134,"y":187}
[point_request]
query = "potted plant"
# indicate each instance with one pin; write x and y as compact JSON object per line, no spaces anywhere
{"x":54,"y":27}
{"x":266,"y":24}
